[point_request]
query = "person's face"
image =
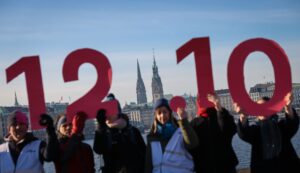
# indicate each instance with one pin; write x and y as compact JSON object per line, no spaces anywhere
{"x":162,"y":114}
{"x":65,"y":129}
{"x":18,"y":131}
{"x":111,"y":118}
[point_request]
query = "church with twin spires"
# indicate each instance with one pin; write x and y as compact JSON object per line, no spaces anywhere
{"x":157,"y":87}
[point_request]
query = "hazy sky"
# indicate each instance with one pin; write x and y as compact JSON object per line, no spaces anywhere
{"x":128,"y":30}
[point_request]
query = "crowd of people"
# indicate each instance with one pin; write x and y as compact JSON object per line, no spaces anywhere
{"x":174,"y":145}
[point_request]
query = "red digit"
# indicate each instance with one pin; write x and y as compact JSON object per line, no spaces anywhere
{"x":205,"y":84}
{"x":33,"y":77}
{"x":91,"y":101}
{"x":281,"y":69}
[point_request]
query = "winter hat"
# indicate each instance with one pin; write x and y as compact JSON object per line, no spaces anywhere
{"x":62,"y":119}
{"x":17,"y":117}
{"x":111,"y":97}
{"x":162,"y":102}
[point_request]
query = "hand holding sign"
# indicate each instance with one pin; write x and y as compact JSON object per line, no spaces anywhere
{"x":213,"y":98}
{"x":178,"y":105}
{"x":177,"y":102}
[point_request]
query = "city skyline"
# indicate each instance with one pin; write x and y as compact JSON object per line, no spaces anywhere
{"x":129,"y":32}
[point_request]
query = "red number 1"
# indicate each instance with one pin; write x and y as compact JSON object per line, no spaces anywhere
{"x":33,"y":77}
{"x":205,"y":83}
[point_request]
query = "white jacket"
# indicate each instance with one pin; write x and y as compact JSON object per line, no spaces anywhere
{"x":28,"y":161}
{"x":175,"y":159}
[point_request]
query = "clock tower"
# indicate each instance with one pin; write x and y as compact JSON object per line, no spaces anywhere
{"x":157,"y":88}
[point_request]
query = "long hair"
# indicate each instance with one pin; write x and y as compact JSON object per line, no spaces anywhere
{"x":155,"y":121}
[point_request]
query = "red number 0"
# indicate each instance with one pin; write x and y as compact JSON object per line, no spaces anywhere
{"x":91,"y":102}
{"x":282,"y":72}
{"x":33,"y":76}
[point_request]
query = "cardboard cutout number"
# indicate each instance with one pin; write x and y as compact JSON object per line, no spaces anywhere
{"x":282,"y":72}
{"x":205,"y":83}
{"x":177,"y":102}
{"x":90,"y":103}
{"x":33,"y":77}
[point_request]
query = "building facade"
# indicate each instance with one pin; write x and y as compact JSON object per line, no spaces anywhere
{"x":225,"y":99}
{"x":140,"y":116}
{"x":262,"y":90}
{"x":267,"y":90}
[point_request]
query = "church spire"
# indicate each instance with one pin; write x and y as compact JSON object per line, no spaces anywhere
{"x":16,"y":100}
{"x":154,"y":67}
{"x":157,"y":88}
{"x":140,"y":87}
{"x":138,"y":70}
{"x":154,"y":62}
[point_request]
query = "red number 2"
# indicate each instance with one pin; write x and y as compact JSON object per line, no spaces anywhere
{"x":33,"y":76}
{"x":91,"y":102}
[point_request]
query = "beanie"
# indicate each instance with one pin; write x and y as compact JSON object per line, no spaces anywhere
{"x":111,"y":97}
{"x":162,"y":102}
{"x":17,"y":117}
{"x":62,"y":119}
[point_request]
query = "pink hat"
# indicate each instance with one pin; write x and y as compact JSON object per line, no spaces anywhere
{"x":17,"y":117}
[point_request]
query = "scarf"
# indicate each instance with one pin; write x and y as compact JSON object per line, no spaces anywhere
{"x":166,"y":130}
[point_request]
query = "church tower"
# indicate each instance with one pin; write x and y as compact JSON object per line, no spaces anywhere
{"x":16,"y":100}
{"x":157,"y":88}
{"x":140,"y":87}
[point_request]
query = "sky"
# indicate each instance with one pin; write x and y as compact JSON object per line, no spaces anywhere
{"x":127,"y":31}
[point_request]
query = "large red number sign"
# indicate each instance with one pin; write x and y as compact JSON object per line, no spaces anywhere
{"x":205,"y":83}
{"x":33,"y":77}
{"x":91,"y":102}
{"x":282,"y":76}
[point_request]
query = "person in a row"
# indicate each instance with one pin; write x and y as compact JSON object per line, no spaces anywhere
{"x":270,"y":138}
{"x":74,"y":156}
{"x":215,"y":129}
{"x":169,"y":141}
{"x":121,"y":144}
{"x":173,"y":145}
{"x":24,"y":153}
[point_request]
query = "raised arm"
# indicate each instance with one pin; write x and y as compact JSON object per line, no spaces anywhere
{"x":50,"y":148}
{"x":189,"y":135}
{"x":245,"y":131}
{"x":291,"y":122}
{"x":102,"y":141}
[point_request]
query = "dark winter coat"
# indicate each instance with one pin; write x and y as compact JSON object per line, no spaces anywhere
{"x":74,"y":156}
{"x":123,"y":150}
{"x":215,"y":153}
{"x":287,"y":161}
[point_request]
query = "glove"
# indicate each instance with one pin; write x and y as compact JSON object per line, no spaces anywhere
{"x":78,"y":122}
{"x":46,"y":120}
{"x":101,"y":118}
